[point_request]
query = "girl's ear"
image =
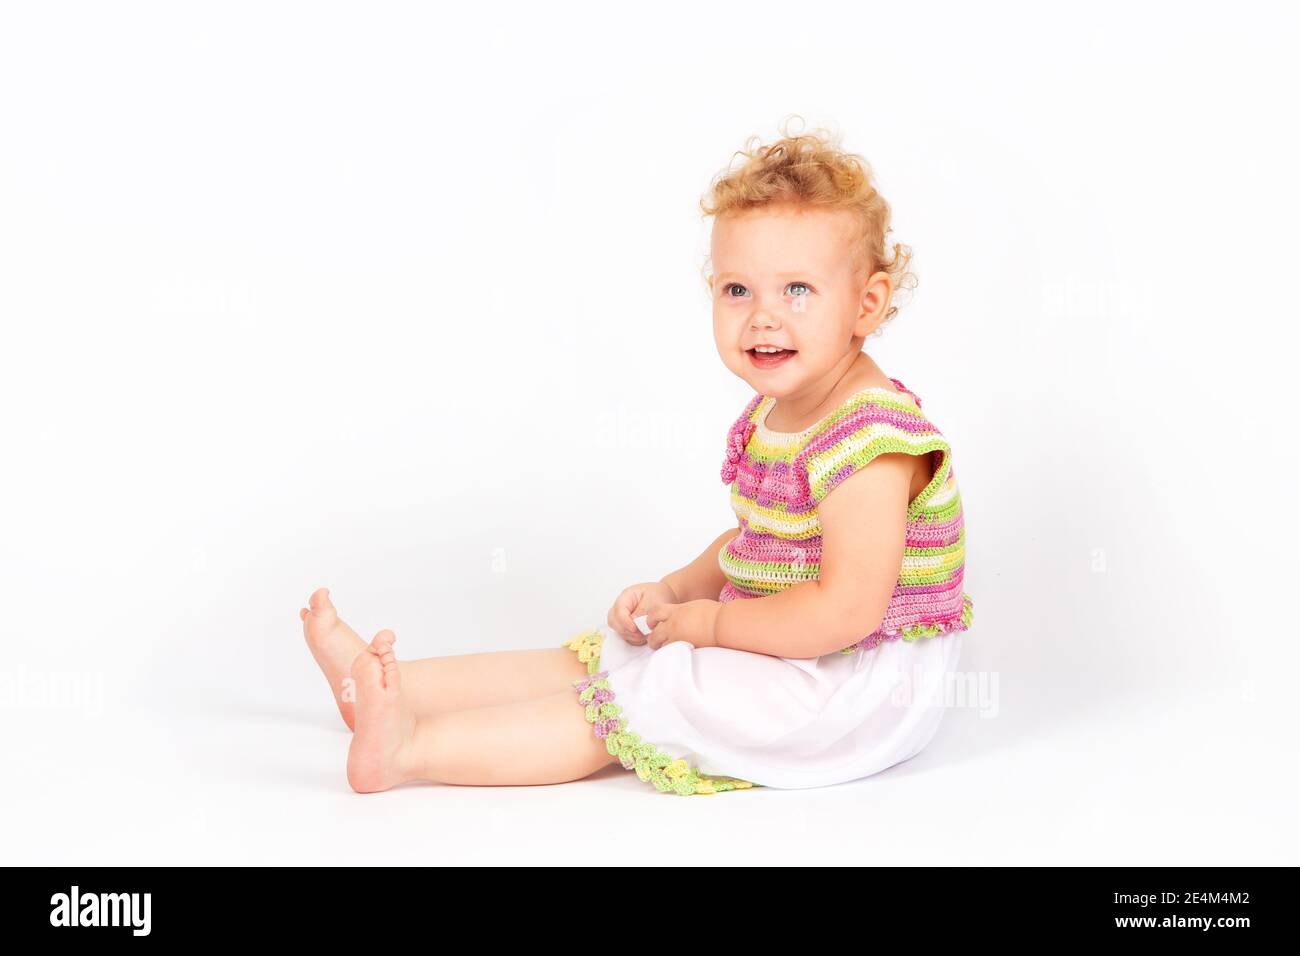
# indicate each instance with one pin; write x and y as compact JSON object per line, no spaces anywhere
{"x":876,"y":294}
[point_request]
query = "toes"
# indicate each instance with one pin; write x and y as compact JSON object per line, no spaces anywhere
{"x":377,"y":668}
{"x":321,"y":615}
{"x":392,"y":673}
{"x":392,"y":677}
{"x":366,"y":669}
{"x":382,"y":650}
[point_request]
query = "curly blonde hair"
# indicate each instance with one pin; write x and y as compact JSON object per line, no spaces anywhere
{"x":811,"y":169}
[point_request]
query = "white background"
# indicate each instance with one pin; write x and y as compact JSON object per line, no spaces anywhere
{"x":406,"y":301}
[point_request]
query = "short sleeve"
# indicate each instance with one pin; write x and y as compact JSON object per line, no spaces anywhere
{"x":864,"y":428}
{"x":737,"y":438}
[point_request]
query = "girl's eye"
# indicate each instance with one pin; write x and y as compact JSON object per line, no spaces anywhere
{"x":736,"y":285}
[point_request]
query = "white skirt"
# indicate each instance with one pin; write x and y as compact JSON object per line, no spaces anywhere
{"x":702,"y":720}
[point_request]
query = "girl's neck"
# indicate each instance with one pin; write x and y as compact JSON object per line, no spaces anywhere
{"x":798,"y":410}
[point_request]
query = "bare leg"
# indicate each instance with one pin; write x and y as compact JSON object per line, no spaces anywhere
{"x":436,"y":685}
{"x":542,"y":741}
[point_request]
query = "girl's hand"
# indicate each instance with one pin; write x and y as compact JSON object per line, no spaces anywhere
{"x":633,"y":602}
{"x":692,"y":622}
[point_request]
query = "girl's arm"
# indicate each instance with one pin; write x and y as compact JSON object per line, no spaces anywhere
{"x":864,"y":528}
{"x":702,"y":578}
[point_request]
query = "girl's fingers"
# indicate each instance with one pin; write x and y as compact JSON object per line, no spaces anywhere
{"x":620,"y":619}
{"x":615,"y":621}
{"x":633,"y":632}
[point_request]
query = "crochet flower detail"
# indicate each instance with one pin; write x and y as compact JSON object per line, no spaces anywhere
{"x":652,"y":765}
{"x":736,"y":442}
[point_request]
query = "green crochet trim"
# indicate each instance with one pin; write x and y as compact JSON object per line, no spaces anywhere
{"x":652,"y":765}
{"x":914,"y":632}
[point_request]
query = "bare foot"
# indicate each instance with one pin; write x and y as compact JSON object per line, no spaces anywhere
{"x":385,"y":725}
{"x":335,"y":646}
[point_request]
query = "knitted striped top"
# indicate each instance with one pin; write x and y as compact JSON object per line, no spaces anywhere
{"x":778,"y":478}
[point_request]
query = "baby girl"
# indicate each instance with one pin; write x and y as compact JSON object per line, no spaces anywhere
{"x":804,"y":647}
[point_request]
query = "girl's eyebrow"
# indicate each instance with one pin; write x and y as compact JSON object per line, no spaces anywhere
{"x":723,"y":276}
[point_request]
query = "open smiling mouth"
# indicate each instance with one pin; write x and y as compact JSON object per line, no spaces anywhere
{"x":766,"y":360}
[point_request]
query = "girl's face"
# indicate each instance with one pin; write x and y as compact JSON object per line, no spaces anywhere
{"x":786,"y":276}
